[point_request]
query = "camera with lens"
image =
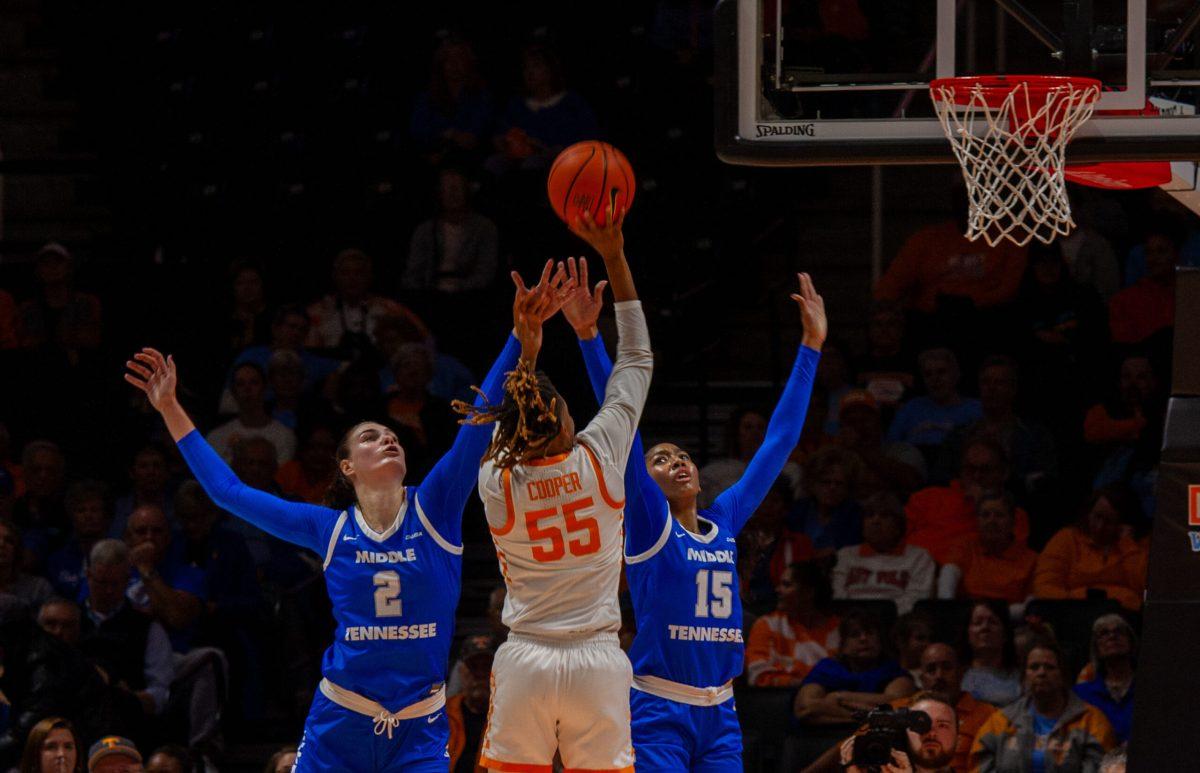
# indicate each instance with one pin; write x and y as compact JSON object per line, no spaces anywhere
{"x":887,"y":729}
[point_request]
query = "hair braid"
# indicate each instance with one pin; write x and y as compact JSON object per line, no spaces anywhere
{"x":526,"y":418}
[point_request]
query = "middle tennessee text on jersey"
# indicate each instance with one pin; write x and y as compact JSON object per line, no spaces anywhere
{"x":394,"y":595}
{"x":685,"y":589}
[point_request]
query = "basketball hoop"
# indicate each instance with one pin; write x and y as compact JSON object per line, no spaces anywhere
{"x":1010,"y":134}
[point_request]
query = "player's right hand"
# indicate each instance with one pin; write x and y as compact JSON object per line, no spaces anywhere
{"x":155,"y":375}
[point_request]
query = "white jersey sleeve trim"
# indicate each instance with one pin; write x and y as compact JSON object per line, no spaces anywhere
{"x":442,"y":542}
{"x":662,"y":540}
{"x":333,"y":538}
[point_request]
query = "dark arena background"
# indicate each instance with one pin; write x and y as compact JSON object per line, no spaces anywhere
{"x":336,"y":194}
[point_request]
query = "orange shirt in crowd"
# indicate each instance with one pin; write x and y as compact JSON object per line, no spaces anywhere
{"x":1100,"y":427}
{"x":972,"y":713}
{"x":1140,"y":311}
{"x":942,"y":518}
{"x":1008,"y":576}
{"x":1071,"y":564}
{"x":292,"y":482}
{"x":780,"y":652}
{"x":939,"y":260}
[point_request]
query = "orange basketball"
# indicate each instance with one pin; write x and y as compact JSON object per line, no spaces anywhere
{"x":587,"y":177}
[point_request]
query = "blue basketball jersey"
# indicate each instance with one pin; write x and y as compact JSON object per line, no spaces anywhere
{"x":394,"y":595}
{"x":685,"y":597}
{"x":685,"y":586}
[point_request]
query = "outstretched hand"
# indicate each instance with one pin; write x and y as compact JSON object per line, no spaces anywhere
{"x":582,"y":307}
{"x":608,"y":240}
{"x":155,"y":375}
{"x":533,"y":306}
{"x":812,"y":313}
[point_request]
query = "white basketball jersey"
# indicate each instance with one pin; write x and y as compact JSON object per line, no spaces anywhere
{"x":557,"y":522}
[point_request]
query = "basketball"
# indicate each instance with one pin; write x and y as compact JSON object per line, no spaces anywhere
{"x":587,"y":177}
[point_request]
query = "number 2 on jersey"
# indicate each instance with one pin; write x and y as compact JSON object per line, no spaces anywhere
{"x":387,"y":595}
{"x":558,"y":547}
{"x":721,"y":594}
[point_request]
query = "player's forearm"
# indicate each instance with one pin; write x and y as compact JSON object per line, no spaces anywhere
{"x":176,"y":419}
{"x":620,"y":278}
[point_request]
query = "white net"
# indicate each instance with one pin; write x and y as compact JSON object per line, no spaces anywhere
{"x":1010,"y":138}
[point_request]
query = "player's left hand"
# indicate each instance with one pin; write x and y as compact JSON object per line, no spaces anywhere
{"x":812,"y":313}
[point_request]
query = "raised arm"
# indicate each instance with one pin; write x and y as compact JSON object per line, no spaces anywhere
{"x":295,"y":522}
{"x":740,"y":500}
{"x":444,"y":492}
{"x":646,"y":509}
{"x":613,"y":427}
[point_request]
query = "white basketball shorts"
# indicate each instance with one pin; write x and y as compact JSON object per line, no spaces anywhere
{"x":572,"y":695}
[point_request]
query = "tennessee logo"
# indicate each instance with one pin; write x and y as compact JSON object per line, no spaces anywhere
{"x":1193,"y":505}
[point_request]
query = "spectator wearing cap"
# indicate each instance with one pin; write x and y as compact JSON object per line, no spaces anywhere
{"x":59,"y":315}
{"x":468,"y":711}
{"x":1113,"y":664}
{"x":253,"y":419}
{"x":1148,"y":306}
{"x":927,"y":420}
{"x":993,"y":564}
{"x":893,"y":465}
{"x":884,"y":566}
{"x":785,"y":644}
{"x":1029,"y":446}
{"x":30,"y":590}
{"x":1098,"y":554}
{"x":942,"y":518}
{"x":829,"y":516}
{"x":114,"y":754}
{"x":87,"y":507}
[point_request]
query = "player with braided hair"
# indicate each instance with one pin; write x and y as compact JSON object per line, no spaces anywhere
{"x":554,"y":501}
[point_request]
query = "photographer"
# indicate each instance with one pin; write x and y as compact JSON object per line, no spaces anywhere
{"x":929,"y":751}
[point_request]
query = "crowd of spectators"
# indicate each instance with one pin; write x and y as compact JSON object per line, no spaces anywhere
{"x":975,"y":479}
